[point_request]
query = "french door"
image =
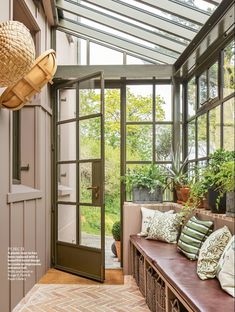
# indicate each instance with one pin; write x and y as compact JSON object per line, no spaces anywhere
{"x":79,"y":236}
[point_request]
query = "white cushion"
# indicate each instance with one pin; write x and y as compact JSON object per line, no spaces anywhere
{"x":226,"y":268}
{"x":147,"y":216}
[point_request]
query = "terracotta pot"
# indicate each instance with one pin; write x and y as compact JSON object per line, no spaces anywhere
{"x":205,"y":203}
{"x":185,"y":192}
{"x":118,"y":249}
{"x":178,"y":193}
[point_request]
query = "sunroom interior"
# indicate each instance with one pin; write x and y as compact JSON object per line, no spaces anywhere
{"x":142,"y":98}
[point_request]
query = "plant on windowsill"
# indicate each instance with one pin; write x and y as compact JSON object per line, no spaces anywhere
{"x":176,"y":177}
{"x":146,"y":183}
{"x":116,"y":231}
{"x":216,"y":203}
{"x":225,"y":182}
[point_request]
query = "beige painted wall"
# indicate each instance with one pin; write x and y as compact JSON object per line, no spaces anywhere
{"x":25,"y":209}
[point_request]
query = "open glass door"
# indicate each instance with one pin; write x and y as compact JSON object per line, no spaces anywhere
{"x":79,"y":209}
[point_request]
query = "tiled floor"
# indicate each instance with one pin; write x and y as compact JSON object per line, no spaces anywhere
{"x":84,"y":298}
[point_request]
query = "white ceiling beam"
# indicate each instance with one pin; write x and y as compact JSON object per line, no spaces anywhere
{"x":146,"y":18}
{"x":123,"y":44}
{"x":181,"y":10}
{"x":122,"y":26}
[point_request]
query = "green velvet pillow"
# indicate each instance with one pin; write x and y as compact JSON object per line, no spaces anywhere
{"x":193,"y":235}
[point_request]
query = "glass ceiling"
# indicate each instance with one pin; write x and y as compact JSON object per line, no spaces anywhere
{"x":158,"y":30}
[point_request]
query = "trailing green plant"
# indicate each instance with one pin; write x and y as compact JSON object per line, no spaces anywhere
{"x":225,"y":179}
{"x":149,"y":177}
{"x":116,"y":231}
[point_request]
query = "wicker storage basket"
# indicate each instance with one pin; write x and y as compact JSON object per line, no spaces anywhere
{"x":177,"y":306}
{"x":160,"y":295}
{"x":151,"y":277}
{"x":136,"y":266}
{"x":141,"y":275}
{"x":17,"y":52}
{"x":41,"y":73}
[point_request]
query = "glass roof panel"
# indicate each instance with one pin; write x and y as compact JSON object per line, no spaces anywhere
{"x":200,"y":4}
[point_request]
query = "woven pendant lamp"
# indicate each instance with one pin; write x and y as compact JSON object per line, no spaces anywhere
{"x":17,"y":52}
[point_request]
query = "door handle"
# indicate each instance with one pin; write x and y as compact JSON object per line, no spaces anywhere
{"x":94,"y":188}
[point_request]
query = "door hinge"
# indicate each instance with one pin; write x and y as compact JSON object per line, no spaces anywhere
{"x":52,"y":147}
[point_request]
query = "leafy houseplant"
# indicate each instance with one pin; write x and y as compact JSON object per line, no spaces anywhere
{"x":216,"y":202}
{"x":116,"y":231}
{"x":146,"y":183}
{"x":225,"y":182}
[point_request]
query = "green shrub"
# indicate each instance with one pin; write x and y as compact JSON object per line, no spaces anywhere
{"x":116,"y":231}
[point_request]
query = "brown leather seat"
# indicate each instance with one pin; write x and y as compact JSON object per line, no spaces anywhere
{"x":203,"y":296}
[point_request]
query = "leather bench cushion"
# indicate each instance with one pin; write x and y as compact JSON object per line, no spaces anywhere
{"x":181,"y":273}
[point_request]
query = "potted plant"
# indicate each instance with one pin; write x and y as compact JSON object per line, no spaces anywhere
{"x":177,"y":178}
{"x":116,"y":231}
{"x":216,"y":202}
{"x":225,"y":182}
{"x":146,"y":183}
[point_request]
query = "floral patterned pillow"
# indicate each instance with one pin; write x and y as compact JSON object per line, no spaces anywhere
{"x":211,"y":252}
{"x":165,"y":227}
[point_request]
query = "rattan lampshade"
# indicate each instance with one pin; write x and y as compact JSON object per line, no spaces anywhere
{"x":17,"y":52}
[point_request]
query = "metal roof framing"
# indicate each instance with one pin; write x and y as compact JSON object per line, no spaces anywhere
{"x":123,"y":44}
{"x":179,"y":9}
{"x":156,"y":46}
{"x":125,"y":27}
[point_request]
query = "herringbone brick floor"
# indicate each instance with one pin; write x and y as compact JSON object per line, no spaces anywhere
{"x":83,"y":298}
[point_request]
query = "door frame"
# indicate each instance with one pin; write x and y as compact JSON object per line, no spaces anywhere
{"x":60,"y":85}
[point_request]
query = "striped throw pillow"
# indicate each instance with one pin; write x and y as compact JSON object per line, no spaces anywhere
{"x":193,"y":235}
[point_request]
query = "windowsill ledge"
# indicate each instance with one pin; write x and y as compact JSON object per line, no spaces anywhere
{"x":21,"y":192}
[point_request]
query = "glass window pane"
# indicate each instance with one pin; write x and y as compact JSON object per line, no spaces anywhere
{"x":66,"y":104}
{"x":203,"y":88}
{"x":67,"y":223}
{"x":191,"y":140}
{"x":214,"y":128}
{"x":229,"y":71}
{"x":139,"y":103}
{"x":202,"y":136}
{"x":135,"y":60}
{"x":213,"y":81}
{"x":163,"y":142}
{"x":67,"y":141}
{"x":90,"y":226}
{"x":67,"y":182}
{"x":100,"y":55}
{"x":90,"y":138}
{"x":229,"y":116}
{"x":89,"y":97}
{"x":163,"y":103}
{"x":139,"y":142}
{"x":85,"y":180}
{"x":191,"y":97}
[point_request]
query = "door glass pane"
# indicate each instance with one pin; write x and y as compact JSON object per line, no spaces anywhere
{"x":85,"y":182}
{"x":229,"y":72}
{"x":163,"y":142}
{"x":89,"y":97}
{"x":90,"y":138}
{"x":229,"y":116}
{"x":67,"y":141}
{"x":90,"y":226}
{"x":139,"y":103}
{"x":139,"y":142}
{"x":67,"y":104}
{"x":67,"y":223}
{"x":203,"y":88}
{"x":191,"y":97}
{"x":202,"y":136}
{"x":67,"y":182}
{"x":214,"y":128}
{"x":213,"y":81}
{"x":191,"y":140}
{"x":163,"y":103}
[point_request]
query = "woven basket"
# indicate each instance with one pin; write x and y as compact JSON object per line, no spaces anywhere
{"x":41,"y":73}
{"x":160,"y":295}
{"x":17,"y":52}
{"x":151,"y":276}
{"x":177,"y":306}
{"x":141,"y":275}
{"x":136,"y":266}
